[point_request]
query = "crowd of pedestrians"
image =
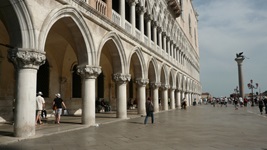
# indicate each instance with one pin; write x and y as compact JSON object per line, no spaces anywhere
{"x":238,"y":102}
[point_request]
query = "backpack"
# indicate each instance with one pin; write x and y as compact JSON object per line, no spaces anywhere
{"x":150,"y":107}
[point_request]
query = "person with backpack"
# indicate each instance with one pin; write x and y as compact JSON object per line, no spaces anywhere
{"x":149,"y":111}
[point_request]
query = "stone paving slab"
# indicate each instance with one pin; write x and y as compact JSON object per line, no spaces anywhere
{"x":198,"y":128}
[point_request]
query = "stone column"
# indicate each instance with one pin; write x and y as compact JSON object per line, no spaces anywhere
{"x":133,"y":15}
{"x":168,"y":45}
{"x":141,"y":91}
{"x":155,"y":87}
{"x":122,"y":13}
{"x":178,"y":99}
{"x":121,"y":80}
{"x":172,"y":102}
{"x":155,"y":33}
{"x":160,"y":38}
{"x":239,"y":61}
{"x":148,"y":18}
{"x":164,"y":99}
{"x":175,"y":53}
{"x":164,"y":41}
{"x":26,"y":62}
{"x":172,"y":49}
{"x":89,"y":75}
{"x":141,"y":21}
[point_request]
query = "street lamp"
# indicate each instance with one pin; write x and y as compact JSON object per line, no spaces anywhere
{"x":251,"y":86}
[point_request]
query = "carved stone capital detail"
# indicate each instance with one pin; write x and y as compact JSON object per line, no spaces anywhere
{"x":155,"y":85}
{"x":121,"y":78}
{"x":141,"y":81}
{"x":89,"y":72}
{"x":173,"y":88}
{"x":26,"y":58}
{"x":165,"y":87}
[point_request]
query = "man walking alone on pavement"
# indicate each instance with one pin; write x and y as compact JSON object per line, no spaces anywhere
{"x":149,"y":111}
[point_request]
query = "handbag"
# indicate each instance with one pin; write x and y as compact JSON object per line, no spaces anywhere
{"x":65,"y":112}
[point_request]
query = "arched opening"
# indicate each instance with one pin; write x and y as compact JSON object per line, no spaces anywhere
{"x":100,"y":85}
{"x":76,"y":83}
{"x":43,"y":79}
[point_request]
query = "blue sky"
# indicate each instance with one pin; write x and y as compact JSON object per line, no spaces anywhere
{"x":227,"y":27}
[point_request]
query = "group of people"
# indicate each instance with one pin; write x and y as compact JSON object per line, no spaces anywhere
{"x":41,"y":111}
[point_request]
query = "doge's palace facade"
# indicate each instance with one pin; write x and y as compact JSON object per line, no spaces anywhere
{"x":122,"y":51}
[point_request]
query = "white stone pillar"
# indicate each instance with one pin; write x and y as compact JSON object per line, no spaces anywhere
{"x":164,"y":41}
{"x":122,"y":13}
{"x":141,"y":91}
{"x":133,"y":15}
{"x":168,"y":46}
{"x":141,"y":21}
{"x":121,"y":81}
{"x":164,"y":100}
{"x":155,"y":34}
{"x":175,"y":53}
{"x":26,"y":62}
{"x":160,"y":38}
{"x":178,"y":99}
{"x":155,"y":96}
{"x":148,"y":29}
{"x":172,"y":102}
{"x":89,"y":75}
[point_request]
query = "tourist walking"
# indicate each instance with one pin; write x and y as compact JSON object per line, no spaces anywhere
{"x":184,"y":104}
{"x":236,"y":103}
{"x":149,"y":111}
{"x":40,"y":104}
{"x":265,"y":103}
{"x":261,"y":105}
{"x":57,"y":105}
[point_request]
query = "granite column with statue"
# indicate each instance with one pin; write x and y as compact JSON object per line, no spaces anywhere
{"x":239,"y":59}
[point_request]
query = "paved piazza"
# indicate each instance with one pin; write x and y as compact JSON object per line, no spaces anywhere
{"x":201,"y":127}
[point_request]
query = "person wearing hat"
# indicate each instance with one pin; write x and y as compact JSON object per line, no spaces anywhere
{"x":40,"y":105}
{"x":58,"y":103}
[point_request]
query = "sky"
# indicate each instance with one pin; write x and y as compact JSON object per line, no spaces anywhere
{"x":227,"y":27}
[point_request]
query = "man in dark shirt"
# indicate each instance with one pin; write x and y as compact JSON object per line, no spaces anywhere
{"x":58,"y":102}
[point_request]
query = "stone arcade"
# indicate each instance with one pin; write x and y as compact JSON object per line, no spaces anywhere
{"x":121,"y":50}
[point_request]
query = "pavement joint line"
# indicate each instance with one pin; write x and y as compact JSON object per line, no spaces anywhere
{"x":261,"y":115}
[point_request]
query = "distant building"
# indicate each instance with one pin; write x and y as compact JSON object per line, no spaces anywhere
{"x":206,"y":95}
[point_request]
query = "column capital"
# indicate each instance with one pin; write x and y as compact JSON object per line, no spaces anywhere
{"x":142,"y":81}
{"x":148,"y":17}
{"x":141,"y":10}
{"x":26,"y":58}
{"x":132,"y":2}
{"x":155,"y":85}
{"x":173,"y":88}
{"x":165,"y":87}
{"x":121,"y":78}
{"x":159,"y":29}
{"x":89,"y":72}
